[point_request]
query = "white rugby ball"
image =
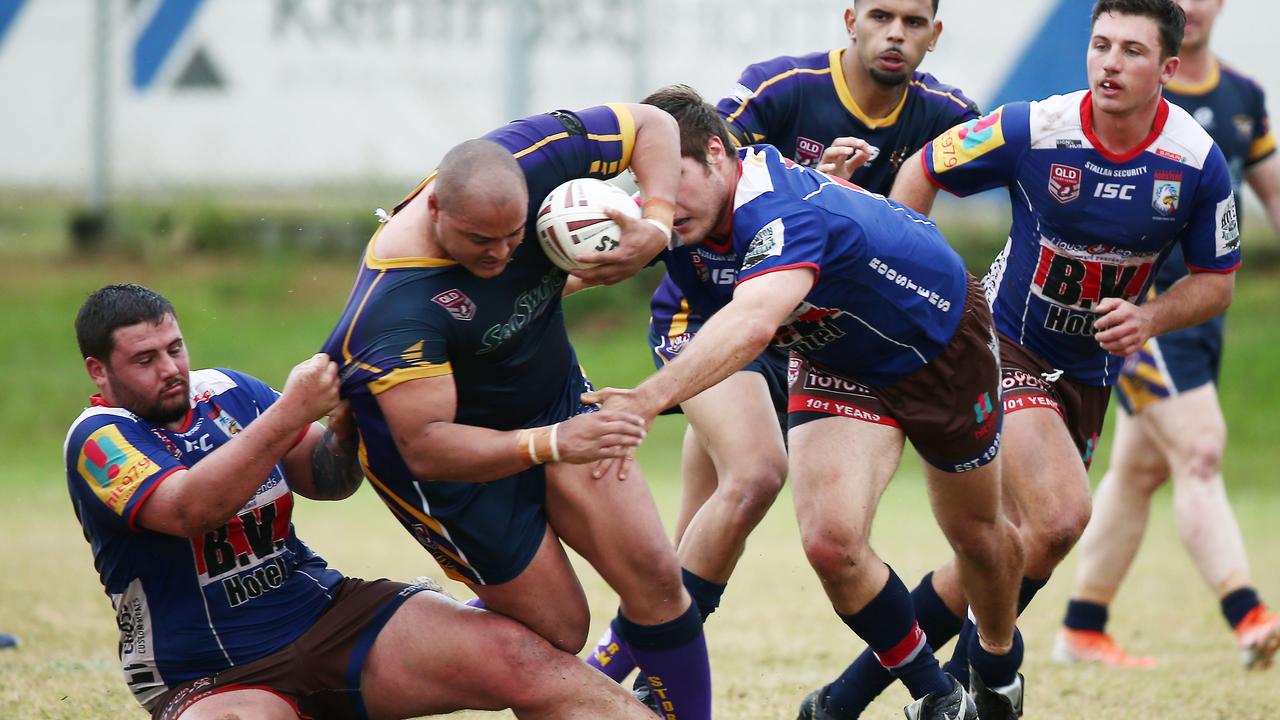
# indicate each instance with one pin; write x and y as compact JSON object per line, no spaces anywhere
{"x":571,"y":221}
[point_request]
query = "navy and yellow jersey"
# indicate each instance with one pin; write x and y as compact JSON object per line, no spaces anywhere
{"x":800,"y":104}
{"x":188,"y":608}
{"x":1232,"y":109}
{"x":1088,"y":224}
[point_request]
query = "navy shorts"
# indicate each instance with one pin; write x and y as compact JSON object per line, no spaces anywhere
{"x":771,"y":364}
{"x":484,"y":533}
{"x":1170,"y":364}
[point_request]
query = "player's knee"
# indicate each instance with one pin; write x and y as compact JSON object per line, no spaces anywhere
{"x":1055,"y":537}
{"x":750,"y":495}
{"x":835,"y":553}
{"x":531,"y":669}
{"x":978,"y":543}
{"x":1204,"y":458}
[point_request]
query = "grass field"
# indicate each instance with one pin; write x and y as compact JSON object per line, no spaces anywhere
{"x":775,"y":636}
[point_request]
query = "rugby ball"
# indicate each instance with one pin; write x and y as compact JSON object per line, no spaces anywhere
{"x":571,"y":221}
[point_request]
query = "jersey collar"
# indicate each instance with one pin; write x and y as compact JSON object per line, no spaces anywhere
{"x":96,"y":400}
{"x":726,"y":244}
{"x":846,"y":97}
{"x":1086,"y":123}
{"x":1202,"y":88}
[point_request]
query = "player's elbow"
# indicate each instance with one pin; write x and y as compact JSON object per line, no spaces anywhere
{"x":757,"y":333}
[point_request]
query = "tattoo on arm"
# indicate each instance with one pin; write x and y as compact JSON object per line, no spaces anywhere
{"x":335,"y":468}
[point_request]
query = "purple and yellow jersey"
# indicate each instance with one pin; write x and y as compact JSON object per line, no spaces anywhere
{"x":190,"y":607}
{"x":888,"y":291}
{"x":800,"y":104}
{"x":1232,"y":109}
{"x":1087,"y":224}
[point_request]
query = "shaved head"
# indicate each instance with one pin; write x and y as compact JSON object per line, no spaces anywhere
{"x":481,"y":172}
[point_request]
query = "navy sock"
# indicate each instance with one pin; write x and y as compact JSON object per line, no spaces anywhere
{"x":866,"y":678}
{"x":705,"y":594}
{"x":1238,"y":603}
{"x":958,"y":665}
{"x":888,"y":625}
{"x":996,"y":670}
{"x":1082,"y":615}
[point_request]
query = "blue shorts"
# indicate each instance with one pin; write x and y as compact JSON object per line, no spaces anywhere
{"x":485,"y":533}
{"x":1170,"y":364}
{"x":668,"y":338}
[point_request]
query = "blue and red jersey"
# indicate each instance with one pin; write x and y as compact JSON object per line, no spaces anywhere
{"x":888,"y":290}
{"x":1088,"y":223}
{"x":190,"y":607}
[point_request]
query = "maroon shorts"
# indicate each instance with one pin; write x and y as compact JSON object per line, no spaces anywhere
{"x":1028,"y":381}
{"x":319,"y":673}
{"x":948,"y":408}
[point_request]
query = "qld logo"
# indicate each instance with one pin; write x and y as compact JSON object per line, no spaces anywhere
{"x":1166,"y":192}
{"x":1064,"y":182}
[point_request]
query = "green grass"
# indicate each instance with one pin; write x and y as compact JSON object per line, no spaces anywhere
{"x":775,"y":636}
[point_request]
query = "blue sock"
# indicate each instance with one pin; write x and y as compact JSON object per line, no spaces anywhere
{"x":888,"y":625}
{"x":1238,"y":603}
{"x":1083,"y":615}
{"x":866,"y":678}
{"x":673,"y":659}
{"x":958,"y":665}
{"x":996,"y":670}
{"x":705,"y":594}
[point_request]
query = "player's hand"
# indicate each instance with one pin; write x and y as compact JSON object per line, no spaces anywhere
{"x":639,"y":243}
{"x":621,"y":400}
{"x":845,"y":155}
{"x":1123,"y":327}
{"x":342,"y":423}
{"x":605,"y":434}
{"x":311,"y":391}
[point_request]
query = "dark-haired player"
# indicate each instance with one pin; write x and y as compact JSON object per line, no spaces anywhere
{"x":1104,"y":183}
{"x":467,"y":392}
{"x":1170,"y":427}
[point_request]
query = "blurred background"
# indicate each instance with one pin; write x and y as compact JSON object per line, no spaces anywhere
{"x":230,"y":154}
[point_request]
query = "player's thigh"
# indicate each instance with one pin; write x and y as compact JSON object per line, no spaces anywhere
{"x":436,"y":655}
{"x":964,"y":500}
{"x":1042,"y":473}
{"x":246,"y":704}
{"x":698,"y":478}
{"x":614,"y":524}
{"x":1180,"y":423}
{"x":738,"y":425}
{"x":839,"y":469}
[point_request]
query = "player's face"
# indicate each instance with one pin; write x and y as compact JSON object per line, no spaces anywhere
{"x":704,"y":194}
{"x":891,"y":37}
{"x":1126,"y":70}
{"x":1200,"y":17}
{"x":480,"y":239}
{"x":148,"y":373}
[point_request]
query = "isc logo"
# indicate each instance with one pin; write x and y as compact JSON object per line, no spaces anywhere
{"x":1114,"y":191}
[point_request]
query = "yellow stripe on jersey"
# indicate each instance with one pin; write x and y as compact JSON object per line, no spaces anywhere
{"x":679,"y":321}
{"x":1262,"y":147}
{"x":776,"y":78}
{"x":846,"y":97}
{"x":404,"y":375}
{"x":950,"y":96}
{"x":626,"y":132}
{"x":400,"y":507}
{"x":346,"y":340}
{"x":1200,"y":88}
{"x":540,"y":144}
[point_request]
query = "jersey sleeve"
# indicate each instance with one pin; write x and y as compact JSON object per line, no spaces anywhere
{"x":394,"y":346}
{"x":261,"y":395}
{"x":748,"y":110}
{"x":771,"y":236}
{"x":980,"y":154}
{"x":115,"y":463}
{"x":1262,"y":141}
{"x":559,"y":146}
{"x":1211,"y":241}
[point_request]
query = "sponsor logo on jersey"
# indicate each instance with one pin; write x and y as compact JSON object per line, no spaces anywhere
{"x":1170,"y":155}
{"x":808,"y":152}
{"x":1166,"y":192}
{"x":809,"y":328}
{"x":1069,"y":144}
{"x":223,"y":420}
{"x":822,"y":380}
{"x":671,"y":345}
{"x":1204,"y":116}
{"x":1244,"y":126}
{"x":1064,"y":182}
{"x":245,"y":557}
{"x":457,"y":303}
{"x":907,"y":283}
{"x":113,"y":468}
{"x":967,"y":142}
{"x":700,"y":268}
{"x":767,"y":243}
{"x":527,"y":306}
{"x":1078,"y":280}
{"x":1227,"y":232}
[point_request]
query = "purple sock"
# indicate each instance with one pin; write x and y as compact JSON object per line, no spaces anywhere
{"x":611,"y":655}
{"x":673,"y":659}
{"x":866,"y":678}
{"x":476,"y":603}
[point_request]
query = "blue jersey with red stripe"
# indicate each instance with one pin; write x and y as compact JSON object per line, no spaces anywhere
{"x":1088,"y":224}
{"x":888,"y":291}
{"x":190,"y":607}
{"x":1233,"y":109}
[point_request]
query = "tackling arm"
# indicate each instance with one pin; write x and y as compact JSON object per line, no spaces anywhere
{"x":325,"y":465}
{"x":913,"y":187}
